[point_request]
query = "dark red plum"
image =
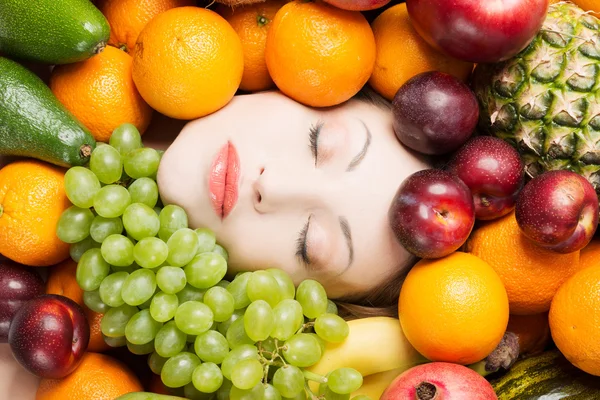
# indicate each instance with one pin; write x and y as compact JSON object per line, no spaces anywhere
{"x":18,"y":284}
{"x":49,"y":335}
{"x":478,"y":31}
{"x":434,"y":113}
{"x":558,"y":210}
{"x":432,"y":213}
{"x":493,"y":171}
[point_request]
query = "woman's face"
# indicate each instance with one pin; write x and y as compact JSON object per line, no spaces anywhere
{"x":300,"y":189}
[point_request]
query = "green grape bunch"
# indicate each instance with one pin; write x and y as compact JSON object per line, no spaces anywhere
{"x":161,"y":287}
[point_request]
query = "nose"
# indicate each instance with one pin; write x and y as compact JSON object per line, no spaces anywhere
{"x":282,"y":187}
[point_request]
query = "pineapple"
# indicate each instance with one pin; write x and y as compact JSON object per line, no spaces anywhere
{"x":545,"y":101}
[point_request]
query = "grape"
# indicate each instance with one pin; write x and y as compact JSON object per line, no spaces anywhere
{"x":129,"y":269}
{"x":331,"y":308}
{"x":223,"y":392}
{"x":110,"y":289}
{"x":312,"y":297}
{"x":191,"y":393}
{"x":263,"y":286}
{"x":224,"y":283}
{"x":74,"y":224}
{"x":169,"y":340}
{"x":288,"y":319}
{"x":147,"y":303}
{"x":224,"y":326}
{"x":170,"y":279}
{"x":76,"y":250}
{"x":141,"y":349}
{"x":115,"y":342}
{"x":193,"y":317}
{"x":115,"y":320}
{"x":142,"y":328}
{"x":106,"y":163}
{"x":111,"y":201}
{"x":238,"y":287}
{"x":81,"y":185}
{"x":206,"y":240}
{"x":221,"y":303}
{"x":205,"y":270}
{"x":322,"y":343}
{"x":361,"y":397}
{"x":102,"y":228}
{"x":289,"y":381}
{"x":163,"y":306}
{"x":91,"y":270}
{"x":125,"y":138}
{"x":221,"y":251}
{"x":207,"y":377}
{"x":286,"y":286}
{"x":246,"y":374}
{"x":236,"y":334}
{"x":326,"y":393}
{"x":302,"y":350}
{"x":331,"y":328}
{"x":271,"y":393}
{"x":140,"y":221}
{"x":172,"y":218}
{"x":138,"y":287}
{"x":156,"y":362}
{"x":190,"y":293}
{"x":150,"y":252}
{"x":178,"y":370}
{"x":211,"y":346}
{"x":144,"y":191}
{"x":256,"y":393}
{"x":242,"y":352}
{"x":141,"y":162}
{"x":344,"y":380}
{"x":183,"y":245}
{"x":259,"y":321}
{"x":117,"y":250}
{"x":92,"y":300}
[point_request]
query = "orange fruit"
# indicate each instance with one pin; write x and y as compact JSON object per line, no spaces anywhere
{"x":61,"y":281}
{"x":530,"y":273}
{"x":575,"y":320}
{"x":98,"y":377}
{"x":100,"y":92}
{"x":127,"y":18}
{"x":532,"y":331}
{"x":402,"y":54}
{"x":453,"y":309}
{"x":188,"y":62}
{"x":318,"y":54}
{"x":590,"y":255}
{"x":587,"y":5}
{"x":252,"y":22}
{"x":32,"y":199}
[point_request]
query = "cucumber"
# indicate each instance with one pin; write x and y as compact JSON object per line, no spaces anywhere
{"x":547,"y":376}
{"x":33,"y":123}
{"x":52,"y":31}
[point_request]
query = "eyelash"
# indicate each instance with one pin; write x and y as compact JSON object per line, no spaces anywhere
{"x":313,"y":136}
{"x":301,"y":250}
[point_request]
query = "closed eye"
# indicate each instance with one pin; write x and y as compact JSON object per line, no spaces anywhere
{"x":301,"y":245}
{"x":313,"y":136}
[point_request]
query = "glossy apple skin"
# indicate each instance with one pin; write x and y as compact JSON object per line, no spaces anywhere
{"x":358,"y":5}
{"x":478,"y":31}
{"x":432,"y":213}
{"x":558,"y":210}
{"x":449,"y":381}
{"x":434,"y":113}
{"x":493,"y":171}
{"x":49,"y":335}
{"x":18,"y":284}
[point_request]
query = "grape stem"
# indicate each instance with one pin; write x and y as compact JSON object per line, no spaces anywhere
{"x":311,"y":376}
{"x":310,"y":392}
{"x":305,"y":326}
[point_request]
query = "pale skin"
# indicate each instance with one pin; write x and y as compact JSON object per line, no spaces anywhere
{"x":348,"y":188}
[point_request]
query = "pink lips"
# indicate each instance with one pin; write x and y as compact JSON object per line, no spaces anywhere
{"x":223,"y":180}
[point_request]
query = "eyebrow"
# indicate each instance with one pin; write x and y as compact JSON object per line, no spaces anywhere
{"x":345,"y":226}
{"x":361,"y":154}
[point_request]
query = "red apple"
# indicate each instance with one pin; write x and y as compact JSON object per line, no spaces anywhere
{"x":439,"y":380}
{"x":358,"y":5}
{"x":432,"y":213}
{"x":49,"y":335}
{"x":558,"y":210}
{"x":493,"y":170}
{"x":478,"y":31}
{"x":434,"y":113}
{"x":18,"y":284}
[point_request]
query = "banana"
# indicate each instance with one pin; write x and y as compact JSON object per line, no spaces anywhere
{"x":374,"y":385}
{"x":374,"y":345}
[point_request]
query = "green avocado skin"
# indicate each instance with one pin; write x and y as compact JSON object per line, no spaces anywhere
{"x":33,"y":123}
{"x":52,"y":31}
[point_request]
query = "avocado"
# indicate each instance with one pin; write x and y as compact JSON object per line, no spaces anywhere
{"x":52,"y":31}
{"x":33,"y":123}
